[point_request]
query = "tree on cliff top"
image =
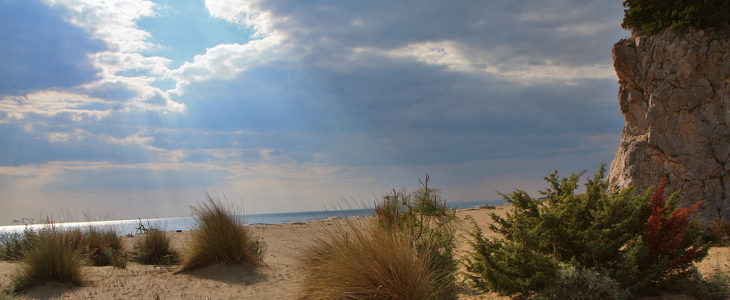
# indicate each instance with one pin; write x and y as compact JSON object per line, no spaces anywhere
{"x":650,"y":16}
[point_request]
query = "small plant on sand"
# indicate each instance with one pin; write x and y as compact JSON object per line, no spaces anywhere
{"x":639,"y":241}
{"x":101,"y":246}
{"x":574,"y":283}
{"x":154,"y":248}
{"x":405,"y":253}
{"x":52,"y":257}
{"x":220,"y":238}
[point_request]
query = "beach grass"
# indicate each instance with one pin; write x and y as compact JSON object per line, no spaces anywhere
{"x":220,"y":238}
{"x":52,"y":257}
{"x":366,"y":261}
{"x":154,"y":248}
{"x":102,"y":246}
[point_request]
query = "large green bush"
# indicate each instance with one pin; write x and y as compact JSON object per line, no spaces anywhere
{"x":603,"y":230}
{"x":649,"y":16}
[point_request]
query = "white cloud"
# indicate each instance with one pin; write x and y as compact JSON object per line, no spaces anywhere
{"x":225,"y":61}
{"x":458,"y":57}
{"x":51,"y":103}
{"x":113,"y":21}
{"x":246,"y":13}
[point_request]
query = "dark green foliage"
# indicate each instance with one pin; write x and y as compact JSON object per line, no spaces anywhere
{"x":650,"y":16}
{"x":602,"y":230}
{"x":423,"y":218}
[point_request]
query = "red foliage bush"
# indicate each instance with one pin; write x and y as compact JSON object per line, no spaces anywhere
{"x":666,"y":227}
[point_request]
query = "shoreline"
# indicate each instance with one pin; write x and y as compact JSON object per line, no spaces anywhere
{"x":129,"y":226}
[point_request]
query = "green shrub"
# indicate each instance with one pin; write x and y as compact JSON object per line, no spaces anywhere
{"x":606,"y":230}
{"x":52,"y":257}
{"x":576,"y":284}
{"x":220,"y":238}
{"x":369,"y":262}
{"x":154,"y":248}
{"x":650,"y":16}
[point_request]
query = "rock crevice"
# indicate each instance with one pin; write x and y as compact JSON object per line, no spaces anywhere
{"x":674,"y":95}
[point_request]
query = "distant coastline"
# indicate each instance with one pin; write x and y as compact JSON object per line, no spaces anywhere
{"x":125,"y":227}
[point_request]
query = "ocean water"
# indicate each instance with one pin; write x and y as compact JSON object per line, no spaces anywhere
{"x":124,"y":227}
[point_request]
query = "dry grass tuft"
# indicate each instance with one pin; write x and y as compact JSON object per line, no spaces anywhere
{"x":52,"y":257}
{"x":367,"y":261}
{"x":102,"y":246}
{"x":220,"y":238}
{"x":155,"y":248}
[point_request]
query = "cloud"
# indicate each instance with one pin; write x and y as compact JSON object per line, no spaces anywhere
{"x":225,"y":62}
{"x":246,"y":13}
{"x":122,"y":65}
{"x":113,"y":21}
{"x":521,"y":40}
{"x":39,"y":50}
{"x":51,"y":103}
{"x":318,"y":101}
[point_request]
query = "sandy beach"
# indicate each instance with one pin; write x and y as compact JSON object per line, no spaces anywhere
{"x":278,"y":278}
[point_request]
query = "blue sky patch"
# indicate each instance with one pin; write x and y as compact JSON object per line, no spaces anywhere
{"x":183,"y":29}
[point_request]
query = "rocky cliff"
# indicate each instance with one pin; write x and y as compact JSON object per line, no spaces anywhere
{"x":675,"y":97}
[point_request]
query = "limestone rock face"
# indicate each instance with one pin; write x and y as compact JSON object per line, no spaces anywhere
{"x":675,"y":97}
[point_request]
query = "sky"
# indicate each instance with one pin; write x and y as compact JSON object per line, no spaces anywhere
{"x":137,"y":108}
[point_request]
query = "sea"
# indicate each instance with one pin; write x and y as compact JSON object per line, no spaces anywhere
{"x":130,"y":227}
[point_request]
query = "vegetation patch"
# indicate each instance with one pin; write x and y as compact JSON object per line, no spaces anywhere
{"x":651,"y":16}
{"x":52,"y":257}
{"x":15,"y":245}
{"x":640,"y":241}
{"x":220,"y":238}
{"x":154,"y":248}
{"x":407,"y":253}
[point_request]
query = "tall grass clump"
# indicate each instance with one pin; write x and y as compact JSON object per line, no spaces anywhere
{"x":154,"y":248}
{"x":102,"y":246}
{"x":367,"y":262}
{"x":52,"y":257}
{"x":220,"y":238}
{"x":406,"y":252}
{"x":641,"y":241}
{"x":425,"y":220}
